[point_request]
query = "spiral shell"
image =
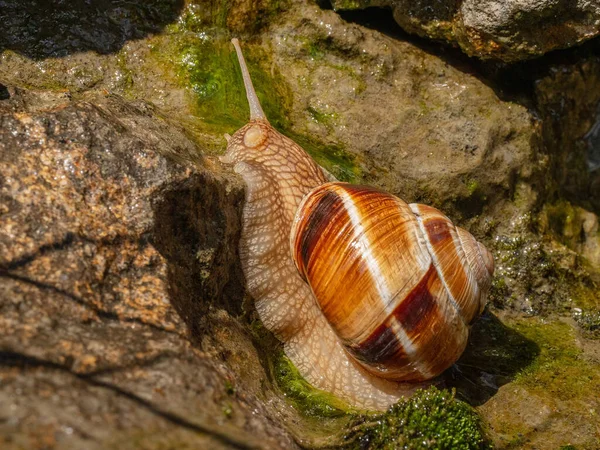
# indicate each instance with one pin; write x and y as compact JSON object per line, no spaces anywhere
{"x":398,"y":282}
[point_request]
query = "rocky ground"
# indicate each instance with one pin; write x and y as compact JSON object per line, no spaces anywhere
{"x":122,"y":307}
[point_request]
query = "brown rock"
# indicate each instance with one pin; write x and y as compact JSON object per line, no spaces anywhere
{"x":109,"y":253}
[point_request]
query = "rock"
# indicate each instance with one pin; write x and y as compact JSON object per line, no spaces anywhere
{"x":417,"y":126}
{"x":576,"y":227}
{"x":40,"y":30}
{"x":238,"y":16}
{"x":568,"y":97}
{"x":537,"y":409}
{"x":116,"y":263}
{"x":495,"y":29}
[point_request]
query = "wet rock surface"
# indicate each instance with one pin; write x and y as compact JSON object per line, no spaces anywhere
{"x":122,"y":307}
{"x":493,"y":29}
{"x":105,"y":248}
{"x":429,"y":132}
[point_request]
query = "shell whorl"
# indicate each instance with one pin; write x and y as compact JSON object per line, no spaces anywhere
{"x":399,"y":283}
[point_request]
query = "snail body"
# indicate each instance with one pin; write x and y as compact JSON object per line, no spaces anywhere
{"x":370,"y":296}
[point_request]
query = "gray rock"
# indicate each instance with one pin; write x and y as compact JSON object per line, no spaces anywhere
{"x":506,"y":30}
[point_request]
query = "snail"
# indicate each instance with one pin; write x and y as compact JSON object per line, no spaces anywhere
{"x":371,"y":296}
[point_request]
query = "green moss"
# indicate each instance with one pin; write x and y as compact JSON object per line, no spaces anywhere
{"x":539,"y":275}
{"x":585,"y":293}
{"x":227,"y":410}
{"x":564,"y":221}
{"x":431,"y":419}
{"x":333,"y":157}
{"x":310,"y":401}
{"x":500,"y":293}
{"x":208,"y":67}
{"x":229,"y":387}
{"x":472,"y":186}
{"x":522,"y":264}
{"x":559,"y":370}
{"x":315,"y":49}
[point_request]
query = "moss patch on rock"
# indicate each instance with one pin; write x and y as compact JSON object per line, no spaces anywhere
{"x":431,"y":419}
{"x":536,"y":274}
{"x":308,"y":400}
{"x":559,"y":370}
{"x":526,"y":277}
{"x":207,"y":67}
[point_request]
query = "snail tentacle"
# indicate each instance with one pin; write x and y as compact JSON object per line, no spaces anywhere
{"x":256,"y":111}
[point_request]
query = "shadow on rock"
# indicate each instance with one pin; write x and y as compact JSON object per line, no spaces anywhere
{"x":494,"y":355}
{"x":40,"y":29}
{"x":197,"y":229}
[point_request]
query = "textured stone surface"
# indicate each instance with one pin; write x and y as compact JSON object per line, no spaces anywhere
{"x":506,"y":30}
{"x":115,"y":264}
{"x":420,"y":128}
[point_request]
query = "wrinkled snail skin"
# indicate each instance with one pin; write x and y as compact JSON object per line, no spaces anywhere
{"x":357,"y":284}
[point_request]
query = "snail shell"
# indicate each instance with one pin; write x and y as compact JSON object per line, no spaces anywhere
{"x":398,"y":283}
{"x":375,"y":292}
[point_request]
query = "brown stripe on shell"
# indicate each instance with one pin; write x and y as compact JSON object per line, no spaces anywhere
{"x":383,"y":349}
{"x":380,"y":347}
{"x":315,"y":222}
{"x":419,"y":307}
{"x":451,"y":261}
{"x":433,"y":327}
{"x":441,"y":335}
{"x":324,"y":262}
